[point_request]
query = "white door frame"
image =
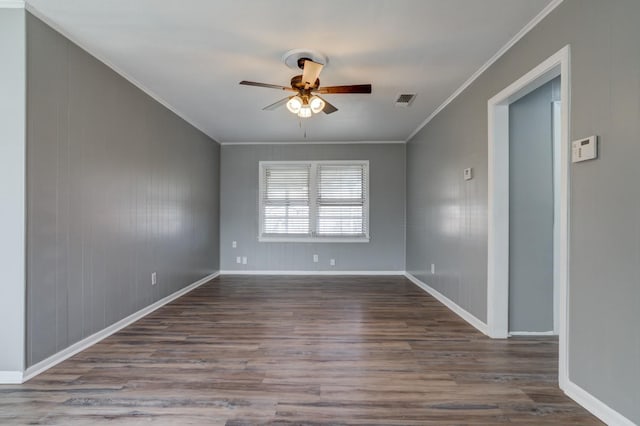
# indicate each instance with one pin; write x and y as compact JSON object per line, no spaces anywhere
{"x":498,"y":200}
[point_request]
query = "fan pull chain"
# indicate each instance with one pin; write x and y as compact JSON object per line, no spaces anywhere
{"x":300,"y":125}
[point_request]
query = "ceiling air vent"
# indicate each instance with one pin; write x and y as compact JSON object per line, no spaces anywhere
{"x":405,"y":99}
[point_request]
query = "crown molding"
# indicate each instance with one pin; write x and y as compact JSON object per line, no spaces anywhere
{"x":315,"y":272}
{"x":530,"y":25}
{"x":313,"y":143}
{"x":12,"y":4}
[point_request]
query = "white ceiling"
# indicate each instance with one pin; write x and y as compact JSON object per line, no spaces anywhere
{"x":192,"y":54}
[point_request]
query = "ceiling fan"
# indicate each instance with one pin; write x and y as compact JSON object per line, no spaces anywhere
{"x":307,"y":87}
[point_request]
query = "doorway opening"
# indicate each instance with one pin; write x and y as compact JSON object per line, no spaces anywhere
{"x":498,"y":200}
{"x":532,"y":194}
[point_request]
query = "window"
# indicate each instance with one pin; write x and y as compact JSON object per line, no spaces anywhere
{"x":319,"y":201}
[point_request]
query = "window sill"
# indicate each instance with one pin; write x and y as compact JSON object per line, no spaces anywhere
{"x":313,"y":239}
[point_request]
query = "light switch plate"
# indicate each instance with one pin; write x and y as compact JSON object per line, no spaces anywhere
{"x":584,"y":149}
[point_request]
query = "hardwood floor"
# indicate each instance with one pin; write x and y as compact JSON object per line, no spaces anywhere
{"x":300,"y":350}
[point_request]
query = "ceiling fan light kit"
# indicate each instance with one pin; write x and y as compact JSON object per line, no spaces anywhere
{"x":305,"y":112}
{"x":317,"y":104}
{"x":307,"y":101}
{"x":303,"y":107}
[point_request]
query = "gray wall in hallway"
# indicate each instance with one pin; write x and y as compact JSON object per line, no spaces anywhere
{"x":239,"y":210}
{"x":447,"y":218}
{"x":531,"y":211}
{"x":118,"y":187}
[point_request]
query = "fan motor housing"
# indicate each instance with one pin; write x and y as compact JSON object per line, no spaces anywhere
{"x":296,"y":83}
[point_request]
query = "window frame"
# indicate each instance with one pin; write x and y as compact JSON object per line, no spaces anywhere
{"x":313,"y":204}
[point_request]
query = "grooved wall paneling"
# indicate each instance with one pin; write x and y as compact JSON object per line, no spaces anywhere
{"x":118,"y":187}
{"x":447,"y":217}
{"x":239,"y":214}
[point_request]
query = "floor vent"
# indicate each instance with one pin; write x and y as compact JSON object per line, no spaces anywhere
{"x":405,"y":99}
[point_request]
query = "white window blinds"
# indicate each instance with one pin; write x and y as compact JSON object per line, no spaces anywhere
{"x":342,"y":200}
{"x":314,"y":201}
{"x":286,"y":200}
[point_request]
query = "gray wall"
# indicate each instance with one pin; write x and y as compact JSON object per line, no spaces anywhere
{"x":12,"y":188}
{"x":604,"y":294}
{"x":239,"y":210}
{"x":446,"y":215}
{"x":118,"y":187}
{"x":531,"y":211}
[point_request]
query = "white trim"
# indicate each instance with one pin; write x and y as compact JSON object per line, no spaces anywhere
{"x":316,"y":162}
{"x":535,"y":21}
{"x":532,"y":333}
{"x":83,"y":344}
{"x":312,"y":237}
{"x":595,"y":406}
{"x":498,"y":201}
{"x":498,"y":188}
{"x":557,"y":212}
{"x":13,"y":193}
{"x":12,"y":4}
{"x":457,"y":309}
{"x":498,"y":222}
{"x":11,"y":377}
{"x":285,"y":239}
{"x":371,"y":273}
{"x":312,"y":143}
{"x":31,"y":9}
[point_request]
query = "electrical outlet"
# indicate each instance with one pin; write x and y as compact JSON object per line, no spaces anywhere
{"x":332,"y":262}
{"x":238,"y":259}
{"x":234,"y":244}
{"x":154,"y":279}
{"x":433,"y":268}
{"x":468,"y":173}
{"x":244,"y":260}
{"x":315,"y":258}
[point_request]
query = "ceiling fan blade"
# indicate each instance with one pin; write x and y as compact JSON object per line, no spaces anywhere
{"x":354,"y":88}
{"x":328,"y":108}
{"x":277,"y":105}
{"x":310,"y":73}
{"x":269,"y":86}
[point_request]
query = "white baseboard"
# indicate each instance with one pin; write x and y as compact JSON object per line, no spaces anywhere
{"x":245,"y":272}
{"x":83,"y":344}
{"x":462,"y":313}
{"x":10,"y":377}
{"x":594,"y":405}
{"x":533,"y":333}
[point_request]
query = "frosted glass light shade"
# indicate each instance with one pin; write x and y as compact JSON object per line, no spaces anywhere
{"x":294,"y":104}
{"x":316,"y":104}
{"x":305,"y":112}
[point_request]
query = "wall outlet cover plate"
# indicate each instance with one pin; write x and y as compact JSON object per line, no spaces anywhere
{"x":468,"y":173}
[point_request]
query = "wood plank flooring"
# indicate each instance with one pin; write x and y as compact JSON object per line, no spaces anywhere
{"x":300,"y":350}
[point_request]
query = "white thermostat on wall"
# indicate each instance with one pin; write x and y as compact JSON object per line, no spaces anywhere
{"x":584,"y":149}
